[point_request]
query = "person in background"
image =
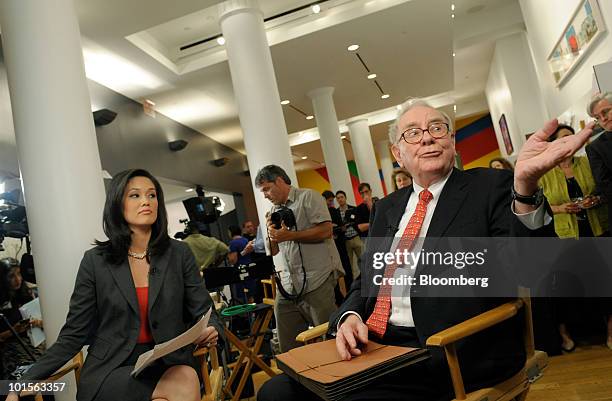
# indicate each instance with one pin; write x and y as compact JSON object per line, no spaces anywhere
{"x":570,"y":189}
{"x":599,"y":151}
{"x":249,"y":230}
{"x":133,"y":291}
{"x":339,"y":240}
{"x":208,"y":251}
{"x":401,"y":178}
{"x":239,"y":255}
{"x":363,"y":210}
{"x":16,"y":292}
{"x":352,"y":240}
{"x":501,"y":164}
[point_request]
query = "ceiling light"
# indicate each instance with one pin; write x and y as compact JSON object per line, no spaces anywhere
{"x":343,"y":137}
{"x":304,"y":157}
{"x":285,"y":102}
{"x":221,"y":40}
{"x":316,"y":9}
{"x":309,"y":117}
{"x":352,"y":48}
{"x":385,"y":96}
{"x":454,"y":107}
{"x":453,"y":54}
{"x":452,"y":15}
{"x":399,"y":107}
{"x":189,"y":190}
{"x":371,"y":76}
{"x":453,"y":7}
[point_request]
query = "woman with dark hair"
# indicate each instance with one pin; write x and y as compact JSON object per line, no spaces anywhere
{"x":501,"y":164}
{"x":15,"y":292}
{"x":401,"y":178}
{"x":132,"y":291}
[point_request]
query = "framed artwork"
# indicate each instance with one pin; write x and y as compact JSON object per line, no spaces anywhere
{"x":581,"y":33}
{"x":503,"y":127}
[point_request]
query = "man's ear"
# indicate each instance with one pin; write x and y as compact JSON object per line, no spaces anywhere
{"x":397,"y":154}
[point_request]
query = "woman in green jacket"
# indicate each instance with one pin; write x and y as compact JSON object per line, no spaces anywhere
{"x":578,"y":212}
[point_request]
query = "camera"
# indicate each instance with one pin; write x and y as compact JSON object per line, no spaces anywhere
{"x":283,"y":215}
{"x":13,"y":222}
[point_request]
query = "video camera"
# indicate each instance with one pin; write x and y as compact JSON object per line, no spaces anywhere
{"x":13,"y":221}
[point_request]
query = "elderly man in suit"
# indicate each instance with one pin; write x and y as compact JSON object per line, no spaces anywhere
{"x":600,"y":150}
{"x":442,"y":202}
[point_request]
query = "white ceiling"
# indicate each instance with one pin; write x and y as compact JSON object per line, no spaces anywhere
{"x":409,"y":45}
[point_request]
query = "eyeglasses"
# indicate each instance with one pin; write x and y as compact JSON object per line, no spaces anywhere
{"x":604,"y":115}
{"x":414,"y":135}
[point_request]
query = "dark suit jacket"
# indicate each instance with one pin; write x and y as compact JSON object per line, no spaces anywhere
{"x":600,"y":158}
{"x":104,"y":313}
{"x":473,"y":203}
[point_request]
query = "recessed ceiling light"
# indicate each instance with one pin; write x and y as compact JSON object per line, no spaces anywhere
{"x":453,"y":7}
{"x":372,"y":76}
{"x":316,"y":9}
{"x":453,"y":54}
{"x":352,"y":48}
{"x":309,"y":117}
{"x":304,"y":157}
{"x":385,"y":96}
{"x":399,"y":107}
{"x":454,"y":107}
{"x":452,"y":15}
{"x":343,"y":137}
{"x":189,"y":190}
{"x":285,"y":102}
{"x":221,"y":40}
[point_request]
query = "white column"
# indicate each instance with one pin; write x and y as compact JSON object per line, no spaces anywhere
{"x":365,"y":158}
{"x":256,"y":91}
{"x":56,"y":144}
{"x":329,"y":133}
{"x":386,"y":164}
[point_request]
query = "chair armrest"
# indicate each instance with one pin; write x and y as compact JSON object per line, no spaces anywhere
{"x":475,"y":324}
{"x":311,"y":334}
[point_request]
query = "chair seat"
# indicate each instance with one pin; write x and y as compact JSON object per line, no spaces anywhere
{"x":512,"y":387}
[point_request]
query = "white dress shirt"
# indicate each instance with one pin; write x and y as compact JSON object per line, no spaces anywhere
{"x":401,"y":306}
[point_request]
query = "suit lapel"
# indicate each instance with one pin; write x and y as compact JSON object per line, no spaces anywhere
{"x":452,"y":197}
{"x":396,"y":211}
{"x":123,"y":278}
{"x":157,"y":272}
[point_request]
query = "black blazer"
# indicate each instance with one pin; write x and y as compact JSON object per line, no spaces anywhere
{"x":600,"y":158}
{"x":104,"y":313}
{"x":473,"y":203}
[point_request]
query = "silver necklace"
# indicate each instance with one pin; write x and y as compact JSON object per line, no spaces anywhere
{"x":138,"y":255}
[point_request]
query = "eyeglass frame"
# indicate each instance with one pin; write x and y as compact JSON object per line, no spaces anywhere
{"x":402,"y":137}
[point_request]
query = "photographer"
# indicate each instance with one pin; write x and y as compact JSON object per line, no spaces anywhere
{"x":303,"y":236}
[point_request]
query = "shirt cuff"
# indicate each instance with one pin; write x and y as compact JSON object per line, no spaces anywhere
{"x":345,"y":314}
{"x":535,"y":219}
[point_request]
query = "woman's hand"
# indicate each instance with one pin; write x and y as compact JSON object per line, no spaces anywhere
{"x":208,"y":337}
{"x":569,"y":207}
{"x":36,"y":323}
{"x":590,"y":201}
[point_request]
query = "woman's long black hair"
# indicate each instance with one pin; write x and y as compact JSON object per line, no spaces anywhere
{"x":117,"y":229}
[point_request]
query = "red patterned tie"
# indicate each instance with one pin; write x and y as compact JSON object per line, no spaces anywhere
{"x":377,"y":322}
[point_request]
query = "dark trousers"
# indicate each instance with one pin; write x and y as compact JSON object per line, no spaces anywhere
{"x":413,"y":383}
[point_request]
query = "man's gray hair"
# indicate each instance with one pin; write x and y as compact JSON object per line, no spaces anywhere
{"x":598,"y":97}
{"x":270,"y":173}
{"x":407,"y":106}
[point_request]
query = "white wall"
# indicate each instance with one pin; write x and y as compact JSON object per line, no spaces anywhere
{"x":545,"y":21}
{"x":512,"y":90}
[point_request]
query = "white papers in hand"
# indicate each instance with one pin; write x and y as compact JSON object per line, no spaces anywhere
{"x":31,"y":310}
{"x":165,"y":348}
